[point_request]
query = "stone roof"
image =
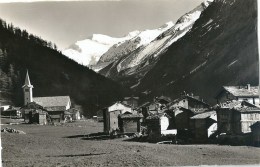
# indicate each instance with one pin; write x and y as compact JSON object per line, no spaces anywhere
{"x":230,"y":104}
{"x":239,"y":106}
{"x":55,"y":103}
{"x":204,"y":115}
{"x":129,"y":115}
{"x":239,"y":91}
{"x":127,"y":98}
{"x":156,"y":116}
{"x":195,"y":98}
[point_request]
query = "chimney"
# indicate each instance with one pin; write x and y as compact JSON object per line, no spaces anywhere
{"x":191,"y":94}
{"x":248,"y":86}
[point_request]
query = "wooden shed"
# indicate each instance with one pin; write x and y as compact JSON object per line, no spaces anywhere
{"x":130,"y":123}
{"x":110,"y":116}
{"x":204,"y":125}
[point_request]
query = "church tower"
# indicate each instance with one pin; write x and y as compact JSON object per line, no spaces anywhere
{"x":27,"y":90}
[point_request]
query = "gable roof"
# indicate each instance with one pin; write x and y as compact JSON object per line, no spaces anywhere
{"x":240,"y":91}
{"x":130,"y":115}
{"x":203,"y":115}
{"x":132,"y":97}
{"x":194,"y":98}
{"x":239,"y":106}
{"x":53,"y":103}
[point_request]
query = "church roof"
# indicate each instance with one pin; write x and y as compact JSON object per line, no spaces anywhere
{"x":53,"y":103}
{"x":27,"y":81}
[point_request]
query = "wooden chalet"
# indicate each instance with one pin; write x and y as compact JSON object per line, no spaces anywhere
{"x":158,"y":125}
{"x":184,"y":108}
{"x":111,"y":113}
{"x":204,"y":125}
{"x":235,"y":117}
{"x":130,"y":123}
{"x":240,"y":93}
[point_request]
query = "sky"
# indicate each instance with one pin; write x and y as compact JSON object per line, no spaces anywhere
{"x":64,"y":23}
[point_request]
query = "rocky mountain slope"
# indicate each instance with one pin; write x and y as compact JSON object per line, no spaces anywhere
{"x":220,"y":49}
{"x":134,"y":63}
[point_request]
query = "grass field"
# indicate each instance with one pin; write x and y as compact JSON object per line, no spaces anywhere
{"x":67,"y":146}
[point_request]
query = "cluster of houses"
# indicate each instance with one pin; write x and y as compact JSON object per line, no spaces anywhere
{"x":42,"y":110}
{"x":236,"y":115}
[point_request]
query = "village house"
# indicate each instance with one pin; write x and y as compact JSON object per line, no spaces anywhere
{"x":130,"y":123}
{"x":11,"y":111}
{"x":158,"y":125}
{"x":184,"y":108}
{"x":255,"y":128}
{"x":34,"y":113}
{"x":55,"y":105}
{"x":241,"y":93}
{"x":204,"y":125}
{"x":159,"y":105}
{"x":235,"y":117}
{"x":111,"y":113}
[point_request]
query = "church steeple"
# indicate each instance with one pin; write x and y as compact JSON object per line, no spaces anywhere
{"x":27,"y":81}
{"x":27,"y":90}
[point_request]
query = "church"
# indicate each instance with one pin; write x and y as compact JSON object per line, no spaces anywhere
{"x":39,"y":109}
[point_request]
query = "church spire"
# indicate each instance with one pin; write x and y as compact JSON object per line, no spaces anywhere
{"x":27,"y":81}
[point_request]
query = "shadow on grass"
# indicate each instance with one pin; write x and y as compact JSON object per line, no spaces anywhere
{"x":86,"y":135}
{"x":78,"y":155}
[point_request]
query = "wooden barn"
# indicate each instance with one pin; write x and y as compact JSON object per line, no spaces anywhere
{"x":158,"y":125}
{"x":130,"y":123}
{"x":240,"y":93}
{"x":184,"y":108}
{"x":204,"y":125}
{"x":110,"y":116}
{"x":255,"y":128}
{"x":235,"y":117}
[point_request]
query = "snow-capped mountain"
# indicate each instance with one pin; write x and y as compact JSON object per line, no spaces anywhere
{"x":143,"y":38}
{"x":89,"y":51}
{"x":135,"y":57}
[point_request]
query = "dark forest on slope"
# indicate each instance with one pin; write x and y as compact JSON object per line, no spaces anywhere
{"x":51,"y":73}
{"x":220,"y":49}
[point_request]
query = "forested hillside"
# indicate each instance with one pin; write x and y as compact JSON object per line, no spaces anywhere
{"x":51,"y":73}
